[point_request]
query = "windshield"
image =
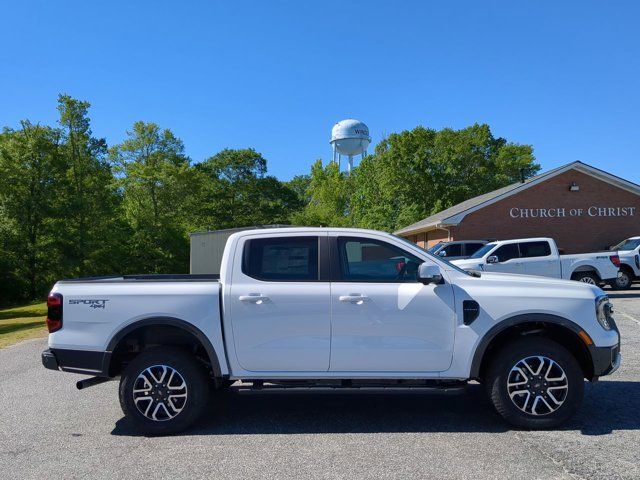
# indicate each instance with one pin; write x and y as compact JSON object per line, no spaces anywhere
{"x":480,"y":253}
{"x":628,"y":244}
{"x":441,"y":259}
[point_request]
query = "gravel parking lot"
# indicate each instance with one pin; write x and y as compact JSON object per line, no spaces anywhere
{"x":49,"y":429}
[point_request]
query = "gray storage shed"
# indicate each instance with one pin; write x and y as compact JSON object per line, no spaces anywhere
{"x":207,"y":248}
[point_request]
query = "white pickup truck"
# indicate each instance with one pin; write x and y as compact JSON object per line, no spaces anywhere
{"x":629,"y":252}
{"x":332,"y":308}
{"x":540,"y":256}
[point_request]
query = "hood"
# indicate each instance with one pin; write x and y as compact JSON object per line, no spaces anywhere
{"x":532,"y":280}
{"x":469,"y":263}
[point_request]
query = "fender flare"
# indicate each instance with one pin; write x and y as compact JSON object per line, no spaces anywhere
{"x":488,"y":337}
{"x":586,"y":265}
{"x":173,"y":322}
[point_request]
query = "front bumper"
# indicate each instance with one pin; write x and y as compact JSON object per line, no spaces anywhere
{"x":606,"y":360}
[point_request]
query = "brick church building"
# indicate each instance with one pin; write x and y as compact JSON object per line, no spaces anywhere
{"x":581,"y":207}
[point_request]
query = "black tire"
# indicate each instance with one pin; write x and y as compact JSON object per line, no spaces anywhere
{"x":586,"y":277}
{"x":499,"y":373}
{"x":623,"y":281}
{"x":194,"y":377}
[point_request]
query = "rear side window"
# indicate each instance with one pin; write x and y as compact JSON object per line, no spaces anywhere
{"x":534,"y":249}
{"x":472,"y":248}
{"x":368,"y":260}
{"x":507,"y":252}
{"x":282,"y":259}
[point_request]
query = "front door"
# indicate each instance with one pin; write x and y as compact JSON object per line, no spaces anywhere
{"x":538,"y":260}
{"x":383,"y":319}
{"x":279,"y":305}
{"x":508,"y":256}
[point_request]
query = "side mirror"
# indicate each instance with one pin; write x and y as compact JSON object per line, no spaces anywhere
{"x":442,"y":253}
{"x":492,"y":259}
{"x":429,"y":273}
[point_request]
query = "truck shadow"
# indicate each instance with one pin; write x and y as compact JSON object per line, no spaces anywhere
{"x":633,"y":292}
{"x":613,"y":295}
{"x":608,"y":406}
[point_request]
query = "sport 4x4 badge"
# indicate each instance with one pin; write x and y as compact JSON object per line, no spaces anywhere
{"x":90,"y":303}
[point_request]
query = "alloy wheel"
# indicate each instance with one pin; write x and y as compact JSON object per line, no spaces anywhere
{"x":589,"y":280}
{"x":160,"y":393}
{"x":537,"y":385}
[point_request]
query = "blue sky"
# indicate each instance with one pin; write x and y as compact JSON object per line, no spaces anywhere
{"x":275,"y":76}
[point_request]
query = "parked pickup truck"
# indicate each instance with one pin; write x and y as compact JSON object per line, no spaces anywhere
{"x":540,"y":256}
{"x":629,"y":252}
{"x":332,"y":308}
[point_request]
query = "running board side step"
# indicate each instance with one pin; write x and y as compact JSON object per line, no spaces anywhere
{"x":348,"y":385}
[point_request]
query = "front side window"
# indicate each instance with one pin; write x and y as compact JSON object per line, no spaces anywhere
{"x":367,"y":260}
{"x":282,"y":259}
{"x":453,"y":250}
{"x":535,"y":249}
{"x":507,"y":252}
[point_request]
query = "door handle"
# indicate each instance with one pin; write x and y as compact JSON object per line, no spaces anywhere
{"x":356,"y":298}
{"x":253,"y":298}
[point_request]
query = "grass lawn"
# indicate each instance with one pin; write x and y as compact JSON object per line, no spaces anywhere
{"x":21,"y":323}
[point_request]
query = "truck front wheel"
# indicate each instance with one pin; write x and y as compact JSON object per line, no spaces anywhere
{"x":164,"y":390}
{"x":535,"y":383}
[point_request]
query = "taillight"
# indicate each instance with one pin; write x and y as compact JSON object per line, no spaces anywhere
{"x":615,"y":259}
{"x":54,"y":312}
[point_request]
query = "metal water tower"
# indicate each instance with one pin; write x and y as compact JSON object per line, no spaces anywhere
{"x":349,"y":137}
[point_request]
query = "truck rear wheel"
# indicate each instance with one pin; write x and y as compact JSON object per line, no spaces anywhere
{"x":535,"y":383}
{"x":586,"y":277}
{"x":164,"y":390}
{"x":623,"y":281}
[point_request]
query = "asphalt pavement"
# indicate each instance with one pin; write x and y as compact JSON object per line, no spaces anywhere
{"x":48,"y":429}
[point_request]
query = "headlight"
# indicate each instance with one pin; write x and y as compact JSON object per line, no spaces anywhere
{"x":604,"y":312}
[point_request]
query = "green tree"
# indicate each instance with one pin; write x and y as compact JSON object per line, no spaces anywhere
{"x":300,"y":185}
{"x":29,"y":172}
{"x":156,"y":182}
{"x":236,"y":191}
{"x":87,"y":220}
{"x":416,"y":173}
{"x":329,"y":193}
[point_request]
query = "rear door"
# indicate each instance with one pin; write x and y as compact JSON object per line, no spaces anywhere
{"x":279,"y":304}
{"x":383,"y":319}
{"x":537,"y":259}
